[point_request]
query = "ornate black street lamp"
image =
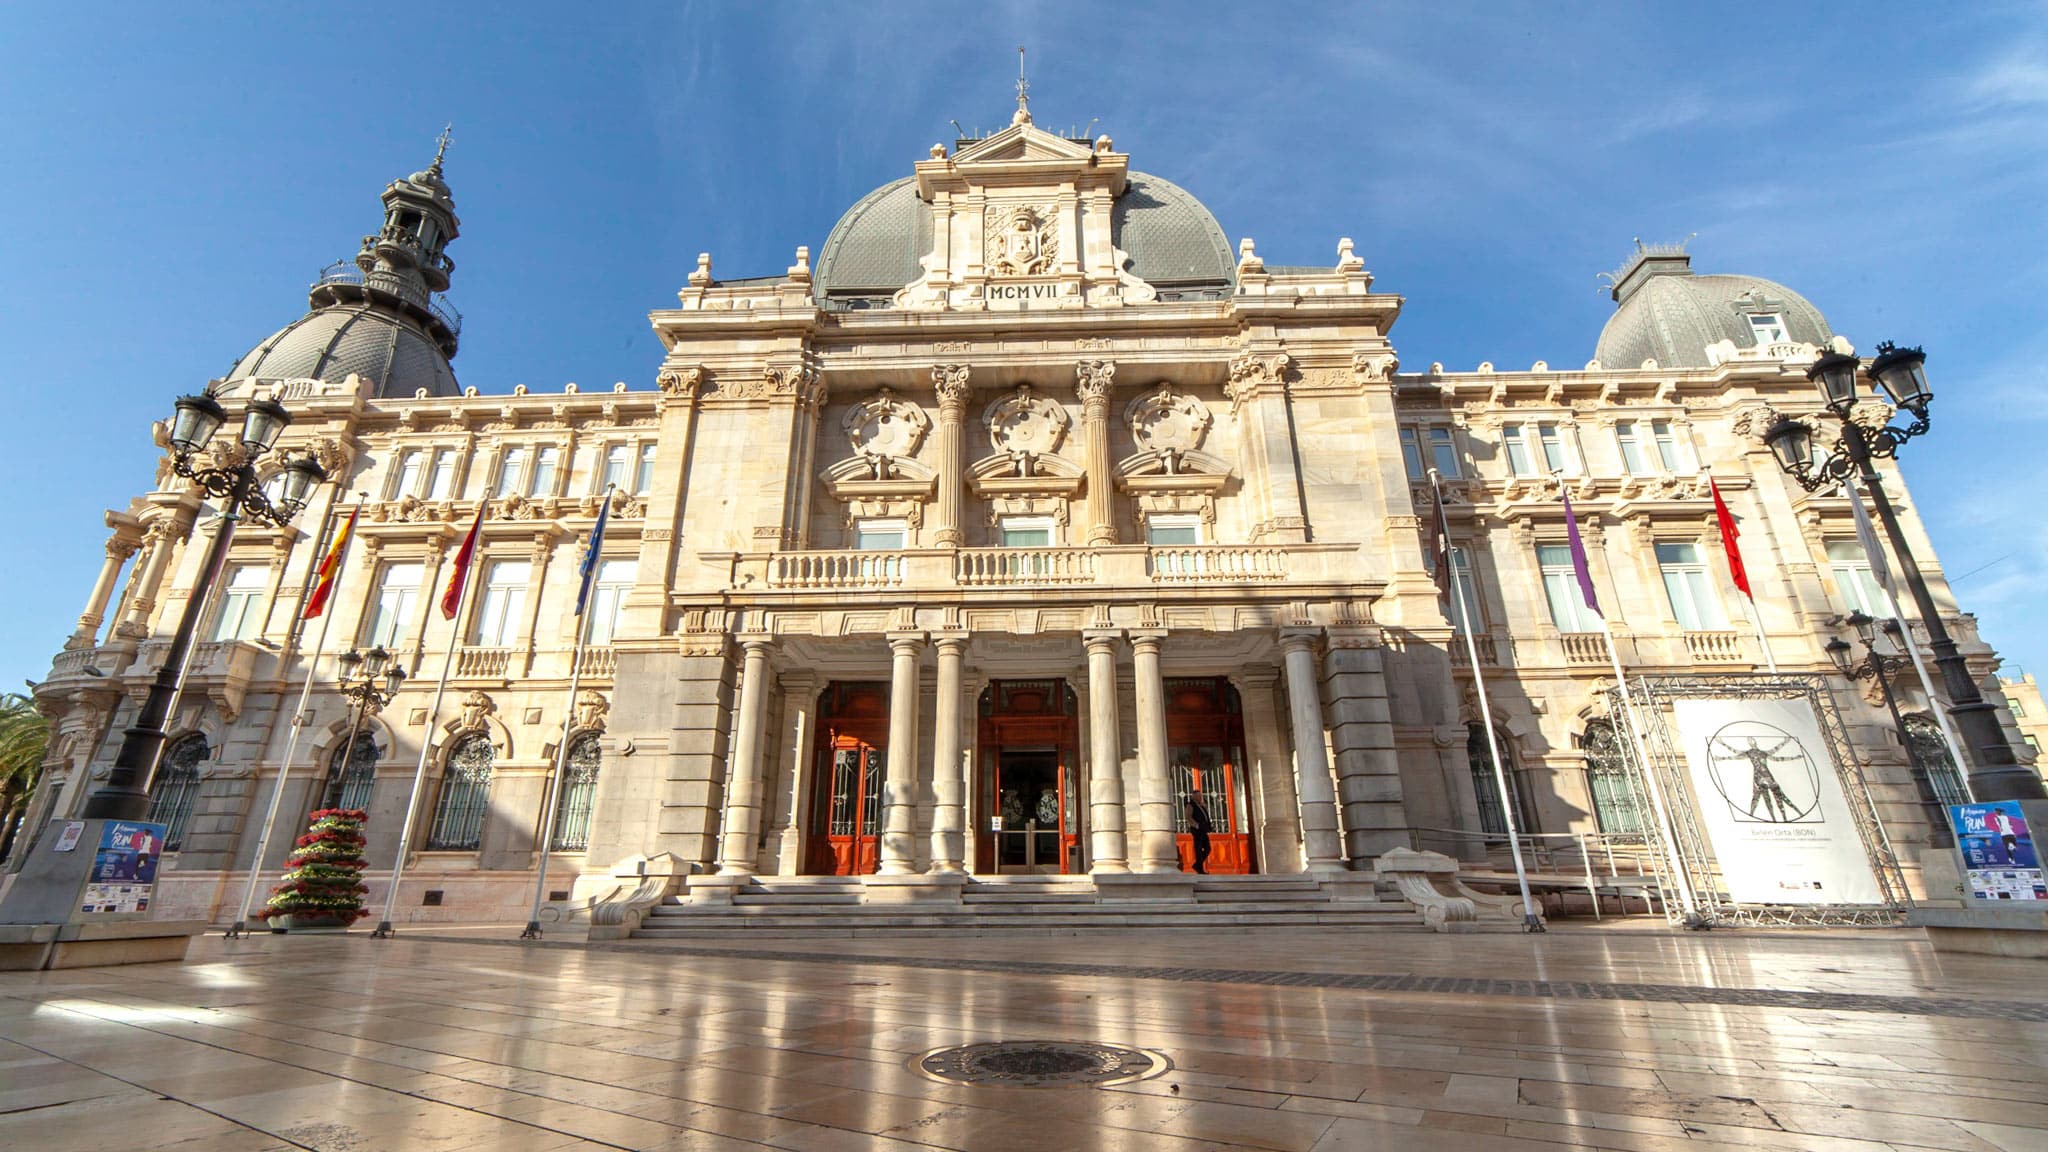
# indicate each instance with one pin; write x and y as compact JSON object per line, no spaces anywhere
{"x":1881,"y":667}
{"x":358,"y":684}
{"x":230,"y":476}
{"x":1995,"y":773}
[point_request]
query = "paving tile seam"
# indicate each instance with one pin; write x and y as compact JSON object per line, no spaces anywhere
{"x":1950,"y":1007}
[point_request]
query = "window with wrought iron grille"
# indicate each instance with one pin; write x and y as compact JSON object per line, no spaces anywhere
{"x":579,"y":795}
{"x":175,"y":791}
{"x":1931,"y":751}
{"x":464,"y":799}
{"x":1492,"y":818}
{"x":349,"y":781}
{"x":1614,"y":800}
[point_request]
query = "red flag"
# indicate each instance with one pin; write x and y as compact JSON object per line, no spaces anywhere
{"x":1728,"y":544}
{"x":452,"y":599}
{"x":330,"y":567}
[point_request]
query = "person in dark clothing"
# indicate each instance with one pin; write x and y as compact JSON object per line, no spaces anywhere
{"x":1198,"y":824}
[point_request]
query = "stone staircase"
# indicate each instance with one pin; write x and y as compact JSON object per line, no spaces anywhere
{"x":768,"y":907}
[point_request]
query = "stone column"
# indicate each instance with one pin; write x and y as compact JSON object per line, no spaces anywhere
{"x":1311,"y":761}
{"x":743,"y":800}
{"x":949,"y":783}
{"x":1105,"y":768}
{"x":1279,"y":839}
{"x":899,"y":792}
{"x":158,"y":540}
{"x":950,"y":382}
{"x":1092,"y":382}
{"x":800,"y":718}
{"x":1156,"y":851}
{"x":120,"y":546}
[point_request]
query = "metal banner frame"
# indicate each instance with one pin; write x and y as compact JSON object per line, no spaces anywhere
{"x":1688,"y":842}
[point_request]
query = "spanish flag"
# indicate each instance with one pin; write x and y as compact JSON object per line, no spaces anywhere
{"x":451,"y":600}
{"x":330,"y":567}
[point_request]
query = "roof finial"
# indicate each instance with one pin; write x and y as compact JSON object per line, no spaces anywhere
{"x":441,"y":147}
{"x":1023,"y":114}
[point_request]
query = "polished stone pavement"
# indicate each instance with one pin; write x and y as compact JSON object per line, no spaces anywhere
{"x":1622,"y":1037}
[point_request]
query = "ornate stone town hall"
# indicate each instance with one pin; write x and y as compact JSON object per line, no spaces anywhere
{"x":975,"y":546}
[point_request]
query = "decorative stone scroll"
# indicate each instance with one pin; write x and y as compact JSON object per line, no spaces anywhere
{"x":885,"y":428}
{"x":1169,"y":422}
{"x":1025,"y":425}
{"x":1251,"y":371}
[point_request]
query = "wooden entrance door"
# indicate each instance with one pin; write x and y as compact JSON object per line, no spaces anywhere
{"x":851,"y":760}
{"x":1205,"y":756}
{"x":1027,"y":800}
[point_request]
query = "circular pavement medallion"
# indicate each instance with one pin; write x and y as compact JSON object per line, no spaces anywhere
{"x":1041,"y":1064}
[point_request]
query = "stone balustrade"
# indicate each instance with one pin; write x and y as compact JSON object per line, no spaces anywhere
{"x":1584,"y":647}
{"x":1025,"y":566}
{"x":1208,"y":563}
{"x":1714,"y":647}
{"x":483,"y":663}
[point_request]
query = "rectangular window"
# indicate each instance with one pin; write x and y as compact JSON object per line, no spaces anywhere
{"x":501,"y":610}
{"x":2018,"y":712}
{"x":442,"y":484}
{"x":880,"y":535}
{"x":643,"y":473}
{"x":543,"y":482}
{"x":614,"y":471}
{"x":407,"y":480}
{"x":241,"y":598}
{"x":1858,"y":585}
{"x":1411,"y":455}
{"x":1632,"y":458}
{"x":1443,"y":451}
{"x":1667,"y":445}
{"x":1553,"y":448}
{"x":1768,"y":328}
{"x":1518,"y":450}
{"x":1693,"y":600}
{"x":510,"y":470}
{"x":1170,"y":529}
{"x":1568,"y":608}
{"x":398,"y":593}
{"x":608,"y":598}
{"x":1463,"y":590}
{"x":1027,"y":531}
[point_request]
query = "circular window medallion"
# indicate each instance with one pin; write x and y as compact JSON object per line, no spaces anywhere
{"x":1041,"y":1064}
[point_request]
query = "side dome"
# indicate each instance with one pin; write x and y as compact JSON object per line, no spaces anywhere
{"x":1667,"y":313}
{"x":1170,"y":238}
{"x":358,"y":338}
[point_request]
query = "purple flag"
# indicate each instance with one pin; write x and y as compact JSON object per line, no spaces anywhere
{"x":1579,"y":569}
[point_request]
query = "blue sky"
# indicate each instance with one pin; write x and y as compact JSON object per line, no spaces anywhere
{"x":173,"y":182}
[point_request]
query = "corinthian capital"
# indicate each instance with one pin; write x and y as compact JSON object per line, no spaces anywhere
{"x":1092,"y":382}
{"x":950,"y":382}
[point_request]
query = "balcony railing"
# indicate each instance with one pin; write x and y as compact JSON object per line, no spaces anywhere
{"x":1584,"y":648}
{"x":836,"y":570}
{"x":985,"y":566}
{"x":1191,"y":564}
{"x":483,"y":662}
{"x":1461,"y":659}
{"x":1714,"y":647}
{"x":597,"y":662}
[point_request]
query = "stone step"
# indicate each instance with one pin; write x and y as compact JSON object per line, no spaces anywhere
{"x":789,"y":898}
{"x":1083,"y":896}
{"x":1242,"y":896}
{"x":670,"y":928}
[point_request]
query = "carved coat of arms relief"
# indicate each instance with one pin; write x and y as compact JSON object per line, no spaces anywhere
{"x":1020,"y":239}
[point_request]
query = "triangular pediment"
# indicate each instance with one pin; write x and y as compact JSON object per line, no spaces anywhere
{"x":1022,"y":142}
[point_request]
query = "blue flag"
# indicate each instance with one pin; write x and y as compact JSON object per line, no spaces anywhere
{"x":590,"y":553}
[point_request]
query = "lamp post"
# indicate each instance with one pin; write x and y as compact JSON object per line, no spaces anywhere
{"x":358,"y":684}
{"x":1877,"y":666}
{"x":1995,"y":774}
{"x":231,"y":476}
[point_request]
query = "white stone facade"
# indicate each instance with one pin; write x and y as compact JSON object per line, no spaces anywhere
{"x":1107,"y":527}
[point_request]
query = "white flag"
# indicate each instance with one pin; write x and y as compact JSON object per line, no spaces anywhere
{"x":1880,"y":568}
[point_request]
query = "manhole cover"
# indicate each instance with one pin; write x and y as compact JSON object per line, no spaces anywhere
{"x":1041,"y":1064}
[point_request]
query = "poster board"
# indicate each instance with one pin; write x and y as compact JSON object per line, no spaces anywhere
{"x":1771,"y":803}
{"x":123,"y":876}
{"x":2001,"y":860}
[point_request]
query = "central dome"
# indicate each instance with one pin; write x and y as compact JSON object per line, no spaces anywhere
{"x":1173,"y":243}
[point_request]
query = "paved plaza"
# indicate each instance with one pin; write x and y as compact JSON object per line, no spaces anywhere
{"x":1629,"y":1037}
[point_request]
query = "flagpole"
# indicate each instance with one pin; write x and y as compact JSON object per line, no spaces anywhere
{"x":1756,"y":617}
{"x":1868,"y":536}
{"x":241,"y":924}
{"x":1674,"y":858}
{"x":1531,"y":922}
{"x":384,"y":930}
{"x":554,"y":787}
{"x":1738,"y":572}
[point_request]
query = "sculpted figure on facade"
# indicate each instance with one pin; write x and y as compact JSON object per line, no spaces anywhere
{"x":883,"y":429}
{"x":1021,"y":239}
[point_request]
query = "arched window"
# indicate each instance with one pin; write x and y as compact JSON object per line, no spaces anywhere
{"x":175,"y":791}
{"x":465,"y":796}
{"x":350,"y":778}
{"x":1614,"y":801}
{"x":1492,"y":820}
{"x":579,"y":795}
{"x":1923,"y":733}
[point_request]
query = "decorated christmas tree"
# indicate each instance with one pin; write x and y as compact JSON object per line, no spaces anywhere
{"x":324,"y":885}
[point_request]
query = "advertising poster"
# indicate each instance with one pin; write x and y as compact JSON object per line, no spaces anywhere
{"x":1772,"y":803}
{"x":124,"y":869}
{"x":1999,"y":855}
